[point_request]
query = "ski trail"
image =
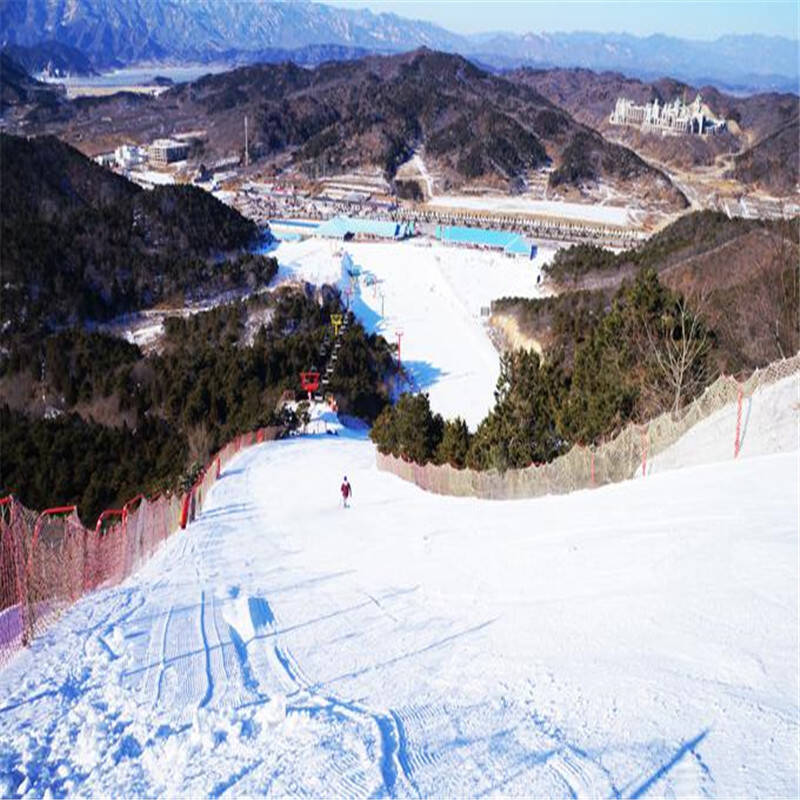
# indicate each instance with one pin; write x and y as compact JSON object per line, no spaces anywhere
{"x":249,"y":679}
{"x":427,"y":646}
{"x":220,"y":650}
{"x":163,"y":666}
{"x":209,"y":693}
{"x":402,"y":751}
{"x":393,"y":760}
{"x":298,"y":686}
{"x":576,"y":776}
{"x":381,"y":607}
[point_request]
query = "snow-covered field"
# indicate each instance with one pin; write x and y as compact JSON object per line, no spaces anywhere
{"x":434,"y":294}
{"x":589,"y":212}
{"x":635,"y":640}
{"x":152,"y":176}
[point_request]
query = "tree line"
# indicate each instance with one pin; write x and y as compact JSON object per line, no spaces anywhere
{"x":645,"y":353}
{"x":218,"y":374}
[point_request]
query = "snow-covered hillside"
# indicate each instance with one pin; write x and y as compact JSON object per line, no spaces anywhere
{"x":635,"y":640}
{"x":434,"y":294}
{"x":769,"y":423}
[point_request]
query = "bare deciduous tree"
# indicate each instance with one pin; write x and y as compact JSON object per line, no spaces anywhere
{"x":199,"y":441}
{"x":679,"y":343}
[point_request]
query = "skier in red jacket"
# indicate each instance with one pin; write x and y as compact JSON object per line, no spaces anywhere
{"x":346,"y":491}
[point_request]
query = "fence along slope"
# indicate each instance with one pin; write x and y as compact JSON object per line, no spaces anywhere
{"x":49,"y":560}
{"x":584,"y":467}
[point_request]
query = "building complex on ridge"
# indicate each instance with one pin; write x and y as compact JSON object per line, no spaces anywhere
{"x":675,"y":118}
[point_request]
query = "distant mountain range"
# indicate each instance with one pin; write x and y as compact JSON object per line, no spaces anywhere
{"x":734,"y":62}
{"x":113,"y":33}
{"x":475,"y":126}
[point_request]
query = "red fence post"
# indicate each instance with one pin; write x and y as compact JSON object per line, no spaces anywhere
{"x":37,"y":528}
{"x":86,"y":567}
{"x":109,"y":512}
{"x":737,"y":441}
{"x":108,"y":561}
{"x":185,"y":508}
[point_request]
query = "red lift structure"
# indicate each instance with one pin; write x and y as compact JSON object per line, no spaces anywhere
{"x":310,"y":382}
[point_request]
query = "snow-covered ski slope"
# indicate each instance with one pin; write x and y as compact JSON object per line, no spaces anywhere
{"x":434,"y":294}
{"x":636,"y":640}
{"x":769,"y":423}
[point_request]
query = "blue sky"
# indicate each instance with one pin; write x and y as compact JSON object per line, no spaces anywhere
{"x":688,"y":19}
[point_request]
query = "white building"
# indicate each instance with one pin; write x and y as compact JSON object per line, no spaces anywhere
{"x":675,"y":118}
{"x":129,"y":155}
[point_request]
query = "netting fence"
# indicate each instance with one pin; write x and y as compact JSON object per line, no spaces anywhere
{"x":615,"y":460}
{"x":48,"y":560}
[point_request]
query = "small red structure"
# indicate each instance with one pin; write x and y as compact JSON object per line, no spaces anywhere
{"x":399,"y":335}
{"x":310,"y":382}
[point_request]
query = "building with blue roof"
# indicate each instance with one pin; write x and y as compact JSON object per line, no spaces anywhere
{"x":510,"y":243}
{"x":357,"y":228}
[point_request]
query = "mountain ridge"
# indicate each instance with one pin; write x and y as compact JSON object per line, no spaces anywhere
{"x":376,"y":112}
{"x":117,"y":32}
{"x":79,"y":242}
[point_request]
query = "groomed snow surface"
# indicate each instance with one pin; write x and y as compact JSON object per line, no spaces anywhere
{"x":434,"y":293}
{"x":636,"y":640}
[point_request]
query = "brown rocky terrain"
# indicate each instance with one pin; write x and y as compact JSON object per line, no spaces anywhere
{"x":475,"y":127}
{"x":772,"y":163}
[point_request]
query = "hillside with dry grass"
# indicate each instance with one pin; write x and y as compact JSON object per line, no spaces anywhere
{"x":741,"y":276}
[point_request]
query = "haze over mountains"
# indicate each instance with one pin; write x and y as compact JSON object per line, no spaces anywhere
{"x":118,"y":32}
